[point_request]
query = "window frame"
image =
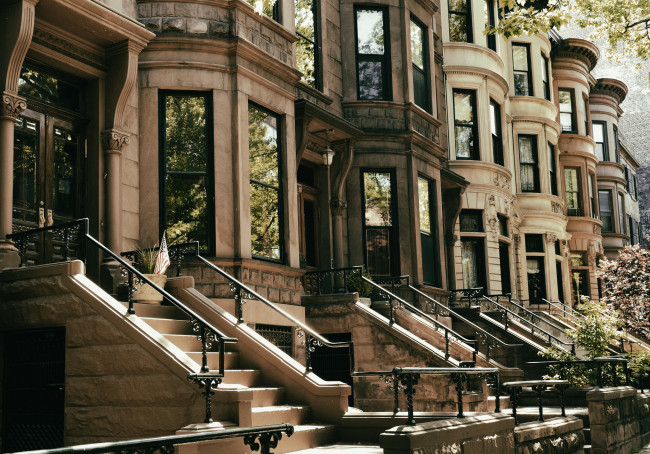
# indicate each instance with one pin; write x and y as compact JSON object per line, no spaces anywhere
{"x":433,"y":221}
{"x":318,"y":70}
{"x":621,"y":213}
{"x":491,"y":38}
{"x":579,"y":211}
{"x":279,"y":188}
{"x":208,"y":248}
{"x":534,"y":164}
{"x":587,"y":122}
{"x":425,"y":72}
{"x":574,"y":124}
{"x":468,"y":21}
{"x":546,"y":83}
{"x":605,"y":148}
{"x":528,"y":71}
{"x":496,"y":133}
{"x":384,"y":59}
{"x":617,"y":156}
{"x":552,"y":168}
{"x":610,"y":213}
{"x":475,"y":153}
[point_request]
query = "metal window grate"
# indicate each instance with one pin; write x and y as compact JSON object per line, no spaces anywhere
{"x":280,"y":336}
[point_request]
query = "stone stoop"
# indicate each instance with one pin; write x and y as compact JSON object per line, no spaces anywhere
{"x":256,"y":404}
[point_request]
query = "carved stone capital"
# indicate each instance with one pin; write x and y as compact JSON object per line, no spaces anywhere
{"x":12,"y":105}
{"x":556,"y":207}
{"x":337,"y":206}
{"x":597,"y":229}
{"x":551,"y":238}
{"x":114,"y":141}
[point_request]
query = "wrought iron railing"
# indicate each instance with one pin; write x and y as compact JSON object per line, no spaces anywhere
{"x":259,"y":438}
{"x":525,"y":313}
{"x":449,"y":334}
{"x":534,"y":329}
{"x":207,"y":334}
{"x":241,"y":292}
{"x":538,"y":386}
{"x":406,"y":378}
{"x":560,"y":308}
{"x":603,"y":376}
{"x":334,"y":280}
{"x":465,"y":296}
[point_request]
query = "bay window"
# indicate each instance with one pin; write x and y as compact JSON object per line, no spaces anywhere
{"x":567,"y":111}
{"x":521,"y":69}
{"x":472,"y":248}
{"x":419,"y":65}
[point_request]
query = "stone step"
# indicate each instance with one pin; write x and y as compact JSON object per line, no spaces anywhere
{"x":157,"y":311}
{"x":230,"y":359}
{"x":280,"y":413}
{"x":189,"y":342}
{"x":343,"y":448}
{"x":244,"y":377}
{"x":169,"y":326}
{"x":262,"y":397}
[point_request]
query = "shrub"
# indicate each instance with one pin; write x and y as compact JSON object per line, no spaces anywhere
{"x":356,"y":284}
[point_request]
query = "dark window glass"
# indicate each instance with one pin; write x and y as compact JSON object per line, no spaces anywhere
{"x":534,"y":242}
{"x":37,"y":85}
{"x":592,"y":197}
{"x":465,"y":125}
{"x":504,"y":266}
{"x":552,"y":168}
{"x":186,"y":169}
{"x":495,"y":128}
{"x":536,"y":279}
{"x":617,"y":157}
{"x":502,"y":226}
{"x":460,"y":21}
{"x":632,"y":230}
{"x":373,"y":56}
{"x":26,"y":139}
{"x":572,"y":188}
{"x":621,"y":214}
{"x":379,"y":228}
{"x":586,"y":106}
{"x":605,"y":208}
{"x":521,"y":69}
{"x":307,"y":58}
{"x":490,"y":23}
{"x":546,"y":82}
{"x":600,"y":137}
{"x":265,"y":193}
{"x":557,"y":248}
{"x":560,"y":284}
{"x":567,"y":120}
{"x":635,"y":187}
{"x":580,"y":281}
{"x":528,"y":163}
{"x":473,"y":262}
{"x":471,"y":221}
{"x":65,"y":179}
{"x":428,"y":224}
{"x":419,"y":65}
{"x":306,"y":175}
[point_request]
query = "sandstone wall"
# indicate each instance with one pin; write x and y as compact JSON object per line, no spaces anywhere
{"x":557,"y":435}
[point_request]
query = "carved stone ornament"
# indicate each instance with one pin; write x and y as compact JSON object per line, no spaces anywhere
{"x":556,"y":207}
{"x":597,"y":229}
{"x":501,"y":181}
{"x":517,"y":239}
{"x":491,"y":212}
{"x":114,"y":141}
{"x":12,"y":105}
{"x":565,"y":248}
{"x":337,"y":206}
{"x":515,"y":208}
{"x":551,"y":238}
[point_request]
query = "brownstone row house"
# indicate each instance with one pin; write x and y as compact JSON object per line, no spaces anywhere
{"x":314,"y":135}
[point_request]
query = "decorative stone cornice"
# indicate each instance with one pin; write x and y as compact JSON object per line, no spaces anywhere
{"x":12,"y":105}
{"x":114,"y":141}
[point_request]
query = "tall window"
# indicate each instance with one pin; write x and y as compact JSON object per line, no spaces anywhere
{"x":495,"y":128}
{"x":552,"y":168}
{"x":269,"y":9}
{"x":605,"y":208}
{"x":460,"y":21}
{"x":617,"y":157}
{"x":592,"y":196}
{"x":600,"y":137}
{"x":265,"y":193}
{"x":373,"y":53}
{"x":490,"y":23}
{"x":379,"y":223}
{"x":521,"y":69}
{"x":628,"y":180}
{"x":586,"y":107}
{"x":528,"y":164}
{"x":621,"y":214}
{"x":535,"y":267}
{"x":567,"y":117}
{"x":572,"y":186}
{"x":426,"y":202}
{"x":186,"y":168}
{"x":307,"y":58}
{"x":472,"y":249}
{"x":420,"y":65}
{"x":465,"y":125}
{"x":633,"y":231}
{"x":546,"y":82}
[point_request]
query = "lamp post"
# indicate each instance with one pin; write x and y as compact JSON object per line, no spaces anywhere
{"x":328,"y":158}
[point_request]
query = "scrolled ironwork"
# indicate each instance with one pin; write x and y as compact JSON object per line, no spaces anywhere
{"x":265,"y":441}
{"x":459,"y":379}
{"x":208,"y":383}
{"x":492,"y":381}
{"x":408,"y":381}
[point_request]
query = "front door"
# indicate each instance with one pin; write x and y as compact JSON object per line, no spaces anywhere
{"x":48,"y":163}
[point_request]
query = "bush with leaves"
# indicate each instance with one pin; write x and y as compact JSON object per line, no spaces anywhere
{"x":356,"y":284}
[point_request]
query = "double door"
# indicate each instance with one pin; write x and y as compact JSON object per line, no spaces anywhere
{"x":48,"y":162}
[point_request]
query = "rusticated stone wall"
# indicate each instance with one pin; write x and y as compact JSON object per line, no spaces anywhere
{"x":557,"y":435}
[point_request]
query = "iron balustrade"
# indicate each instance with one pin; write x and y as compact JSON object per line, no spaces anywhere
{"x":564,"y":309}
{"x":258,"y":438}
{"x":450,"y":335}
{"x":241,"y":293}
{"x":523,"y":312}
{"x":207,"y":334}
{"x":21,"y":239}
{"x":567,"y":367}
{"x":466,"y":293}
{"x":487,"y":339}
{"x":406,"y":378}
{"x":538,"y":386}
{"x":334,"y":280}
{"x":534,"y":329}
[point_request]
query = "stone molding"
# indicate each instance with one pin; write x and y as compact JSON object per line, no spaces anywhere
{"x":12,"y":105}
{"x":113,"y":141}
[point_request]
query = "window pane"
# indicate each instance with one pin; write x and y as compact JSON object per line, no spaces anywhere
{"x":186,"y":209}
{"x":534,"y":242}
{"x":526,"y":150}
{"x":599,"y":135}
{"x":458,"y":5}
{"x":370,"y":32}
{"x":378,"y":252}
{"x":417,"y":45}
{"x":527,"y":178}
{"x":371,"y":80}
{"x":520,"y":58}
{"x":263,"y":147}
{"x":65,"y":163}
{"x":34,"y":84}
{"x":521,"y":84}
{"x":571,"y":179}
{"x":469,"y":263}
{"x":185,"y":133}
{"x":265,"y":226}
{"x":464,"y":142}
{"x":471,"y":221}
{"x":424,"y":205}
{"x":25,"y":150}
{"x":463,"y":108}
{"x":305,"y":61}
{"x":377,"y":193}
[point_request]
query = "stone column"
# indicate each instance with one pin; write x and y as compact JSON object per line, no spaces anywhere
{"x":337,"y":206}
{"x":12,"y":106}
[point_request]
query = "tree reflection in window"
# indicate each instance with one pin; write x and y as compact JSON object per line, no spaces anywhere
{"x":460,"y":21}
{"x":185,"y":213}
{"x":465,"y":128}
{"x":43,"y":87}
{"x":378,"y":221}
{"x":373,"y":59}
{"x":264,"y":164}
{"x":65,"y":159}
{"x":306,"y":48}
{"x":25,"y":146}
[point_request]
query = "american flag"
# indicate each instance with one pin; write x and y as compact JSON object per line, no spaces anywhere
{"x":162,"y":262}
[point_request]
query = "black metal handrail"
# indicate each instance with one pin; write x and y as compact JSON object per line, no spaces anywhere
{"x":532,"y":315}
{"x":338,"y":280}
{"x":206,"y":333}
{"x":449,"y":334}
{"x":538,"y":386}
{"x":242,"y":292}
{"x":468,"y":293}
{"x":565,"y":309}
{"x":598,"y":362}
{"x":478,"y":331}
{"x":262,"y":438}
{"x":407,"y":378}
{"x":534,"y":329}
